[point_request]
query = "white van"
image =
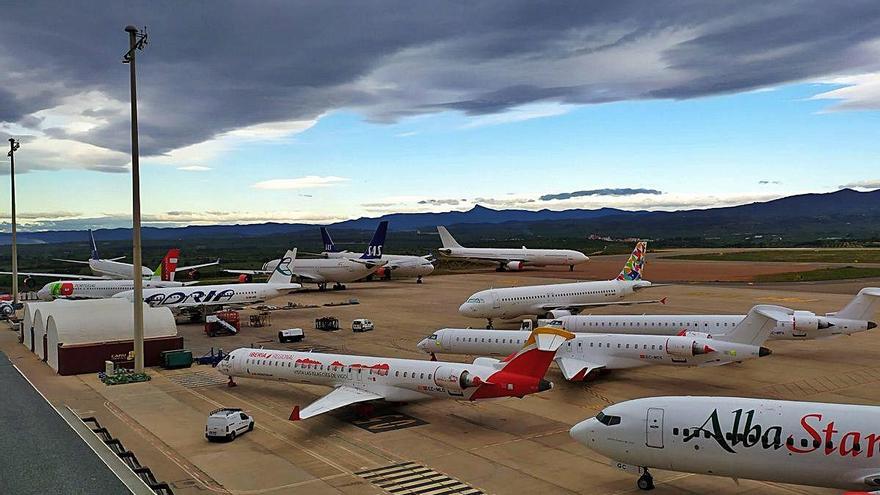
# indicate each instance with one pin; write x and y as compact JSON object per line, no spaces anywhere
{"x":291,"y":335}
{"x":361,"y":325}
{"x":226,"y":423}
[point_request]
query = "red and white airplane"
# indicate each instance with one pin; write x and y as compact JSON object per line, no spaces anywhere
{"x":358,"y":379}
{"x":803,"y":443}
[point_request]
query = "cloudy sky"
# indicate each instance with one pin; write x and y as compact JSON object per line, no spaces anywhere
{"x":321,"y":111}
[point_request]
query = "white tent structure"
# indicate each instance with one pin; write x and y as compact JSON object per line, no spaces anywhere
{"x":27,"y":323}
{"x":100,"y":323}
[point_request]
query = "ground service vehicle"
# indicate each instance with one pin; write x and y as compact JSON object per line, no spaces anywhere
{"x":226,"y":423}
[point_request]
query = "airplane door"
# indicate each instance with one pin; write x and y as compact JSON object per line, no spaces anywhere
{"x":654,"y":428}
{"x":496,"y":303}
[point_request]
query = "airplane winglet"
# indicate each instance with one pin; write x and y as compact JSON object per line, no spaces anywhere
{"x":663,"y":301}
{"x":294,"y":415}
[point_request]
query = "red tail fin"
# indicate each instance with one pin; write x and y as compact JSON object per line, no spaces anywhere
{"x":169,"y":264}
{"x":538,"y":352}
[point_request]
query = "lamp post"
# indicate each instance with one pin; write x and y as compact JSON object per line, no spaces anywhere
{"x":13,"y":147}
{"x":136,"y":41}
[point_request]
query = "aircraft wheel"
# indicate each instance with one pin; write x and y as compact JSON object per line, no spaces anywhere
{"x":646,"y":482}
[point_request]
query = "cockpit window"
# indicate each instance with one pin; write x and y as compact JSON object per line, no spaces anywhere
{"x":433,"y":336}
{"x":226,"y":358}
{"x":556,"y":323}
{"x":475,"y":300}
{"x":607,"y":419}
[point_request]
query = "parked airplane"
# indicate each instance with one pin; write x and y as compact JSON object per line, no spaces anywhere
{"x":204,"y":296}
{"x":557,"y":300}
{"x":398,"y":265}
{"x":803,"y":325}
{"x":586,"y":354}
{"x":363,"y":378}
{"x":510,"y":258}
{"x":804,"y":443}
{"x":163,"y":276}
{"x":323,"y":271}
{"x":104,"y":269}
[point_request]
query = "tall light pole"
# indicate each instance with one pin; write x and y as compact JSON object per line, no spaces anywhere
{"x":136,"y":41}
{"x":13,"y":147}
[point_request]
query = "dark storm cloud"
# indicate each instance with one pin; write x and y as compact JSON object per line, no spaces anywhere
{"x":624,"y":191}
{"x":213,"y":67}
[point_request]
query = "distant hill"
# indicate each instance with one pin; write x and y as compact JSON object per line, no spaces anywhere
{"x":845,"y":213}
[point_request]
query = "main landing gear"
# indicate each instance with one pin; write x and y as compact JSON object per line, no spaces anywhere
{"x":489,"y":324}
{"x":646,"y":481}
{"x":339,"y":286}
{"x":419,"y":279}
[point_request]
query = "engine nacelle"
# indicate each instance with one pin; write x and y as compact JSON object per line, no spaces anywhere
{"x":687,"y":347}
{"x":515,"y":266}
{"x":486,"y":361}
{"x":694,"y":335}
{"x":805,"y":321}
{"x":556,"y":314}
{"x":454,"y":379}
{"x":382,"y":272}
{"x":244,"y":278}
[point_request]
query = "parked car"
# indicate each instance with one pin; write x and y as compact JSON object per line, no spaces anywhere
{"x":226,"y":423}
{"x":291,"y":335}
{"x":361,"y":325}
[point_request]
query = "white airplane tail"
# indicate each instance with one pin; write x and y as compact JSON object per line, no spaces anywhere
{"x":283,"y":272}
{"x":446,"y":238}
{"x":862,"y":307}
{"x":757,"y":325}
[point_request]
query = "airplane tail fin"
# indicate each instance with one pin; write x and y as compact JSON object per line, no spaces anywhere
{"x":168,"y":267}
{"x":757,"y":325}
{"x":634,"y":266}
{"x":862,"y":307}
{"x":284,"y":270}
{"x":328,"y":242}
{"x":374,"y":249}
{"x":446,"y":238}
{"x":94,"y":254}
{"x":537,"y":353}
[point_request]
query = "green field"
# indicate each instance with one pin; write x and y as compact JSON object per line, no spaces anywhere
{"x":792,"y":255}
{"x":841,"y":273}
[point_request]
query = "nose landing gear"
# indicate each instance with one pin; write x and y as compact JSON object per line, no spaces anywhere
{"x":646,"y":481}
{"x":489,"y":324}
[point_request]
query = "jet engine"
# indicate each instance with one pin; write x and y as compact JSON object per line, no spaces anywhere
{"x":454,"y":379}
{"x":244,"y":278}
{"x":686,"y":347}
{"x":554,"y":314}
{"x":806,"y":321}
{"x":514,"y":266}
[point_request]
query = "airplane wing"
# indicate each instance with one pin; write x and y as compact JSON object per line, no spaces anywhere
{"x":369,"y":263}
{"x":339,"y":397}
{"x":575,"y":369}
{"x":581,"y":306}
{"x":193,"y":267}
{"x":79,"y":262}
{"x":247,"y":272}
{"x":63,"y":276}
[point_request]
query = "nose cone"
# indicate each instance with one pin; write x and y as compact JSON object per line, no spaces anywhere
{"x":581,"y":431}
{"x":871,"y":325}
{"x":764,"y":352}
{"x":44,"y":295}
{"x":466,"y":309}
{"x":423,"y":345}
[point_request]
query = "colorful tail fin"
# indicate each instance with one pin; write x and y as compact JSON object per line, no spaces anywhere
{"x":168,"y":267}
{"x":863,"y":307}
{"x":632,"y":270}
{"x":329,"y":247}
{"x":537,"y":353}
{"x":374,"y":249}
{"x":446,"y":238}
{"x":757,"y":325}
{"x":94,"y":254}
{"x":284,"y":270}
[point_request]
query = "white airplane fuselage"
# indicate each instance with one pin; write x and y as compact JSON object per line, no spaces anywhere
{"x":804,"y":325}
{"x":397,"y":380}
{"x":407,"y":266}
{"x":804,"y":443}
{"x":321,"y":270}
{"x":116,"y":270}
{"x":212,"y":295}
{"x":610,"y":351}
{"x":94,"y":289}
{"x":513,"y":302}
{"x":533,"y":257}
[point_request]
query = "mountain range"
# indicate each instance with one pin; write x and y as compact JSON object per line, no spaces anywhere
{"x":841,"y":214}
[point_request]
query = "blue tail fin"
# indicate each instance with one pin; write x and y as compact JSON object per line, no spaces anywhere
{"x":329,"y":247}
{"x":374,"y":250}
{"x":94,"y":254}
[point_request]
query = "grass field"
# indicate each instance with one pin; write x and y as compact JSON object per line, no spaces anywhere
{"x":841,"y":273}
{"x":791,"y":255}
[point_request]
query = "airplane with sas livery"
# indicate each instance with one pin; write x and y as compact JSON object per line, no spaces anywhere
{"x":359,"y":379}
{"x":803,"y":443}
{"x":322,"y":271}
{"x":104,"y":269}
{"x":202,"y":297}
{"x":163,"y":276}
{"x":555,"y":300}
{"x":510,"y":258}
{"x":855,"y":317}
{"x":398,"y":265}
{"x":586,"y":354}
